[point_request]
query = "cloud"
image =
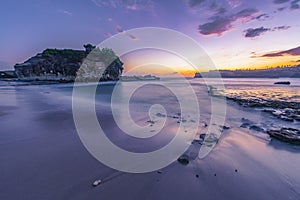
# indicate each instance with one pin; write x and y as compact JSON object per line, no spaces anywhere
{"x":280,"y":28}
{"x":234,"y":3}
{"x":193,"y":3}
{"x":295,"y":5}
{"x":255,"y":32}
{"x":65,"y":12}
{"x":219,"y":25}
{"x":281,"y":9}
{"x":119,"y":29}
{"x":280,"y":1}
{"x":126,"y":4}
{"x":263,"y":17}
{"x":291,"y":52}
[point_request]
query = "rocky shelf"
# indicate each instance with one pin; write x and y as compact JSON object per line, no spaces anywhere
{"x":289,"y":135}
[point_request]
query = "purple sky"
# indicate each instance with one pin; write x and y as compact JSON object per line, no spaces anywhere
{"x":235,"y":33}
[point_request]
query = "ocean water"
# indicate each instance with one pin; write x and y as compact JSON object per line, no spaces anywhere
{"x":257,"y":88}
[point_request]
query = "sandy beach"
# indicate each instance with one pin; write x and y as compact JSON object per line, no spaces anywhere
{"x":42,"y":156}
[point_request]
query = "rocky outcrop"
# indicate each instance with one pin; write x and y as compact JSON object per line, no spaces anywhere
{"x":64,"y":64}
{"x":8,"y":74}
{"x":289,"y":135}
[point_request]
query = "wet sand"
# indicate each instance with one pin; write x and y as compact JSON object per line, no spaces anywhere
{"x":42,"y":156}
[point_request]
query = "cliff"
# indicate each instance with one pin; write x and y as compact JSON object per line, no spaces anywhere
{"x":63,"y":65}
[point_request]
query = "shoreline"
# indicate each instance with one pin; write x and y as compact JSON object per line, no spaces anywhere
{"x":46,"y":160}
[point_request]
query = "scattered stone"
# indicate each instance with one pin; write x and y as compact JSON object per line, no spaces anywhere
{"x":277,"y":113}
{"x":269,"y":110}
{"x":202,"y":136}
{"x":256,"y":128}
{"x":96,"y":183}
{"x":236,"y":170}
{"x":151,"y":122}
{"x":215,"y":174}
{"x":289,"y":135}
{"x":296,"y":117}
{"x":159,"y":171}
{"x":245,"y":120}
{"x":197,"y":142}
{"x":225,"y":127}
{"x":184,"y":159}
{"x":160,"y":115}
{"x":245,"y":125}
{"x":197,"y":176}
{"x":285,"y":118}
{"x":211,"y":138}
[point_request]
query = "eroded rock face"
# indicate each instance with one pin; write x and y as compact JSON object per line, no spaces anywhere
{"x":289,"y":135}
{"x":8,"y":74}
{"x":63,"y":65}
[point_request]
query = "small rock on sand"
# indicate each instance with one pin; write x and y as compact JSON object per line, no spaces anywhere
{"x":184,"y":159}
{"x":96,"y":183}
{"x":256,"y":128}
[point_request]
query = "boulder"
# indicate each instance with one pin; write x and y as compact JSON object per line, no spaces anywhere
{"x":256,"y":128}
{"x":289,"y":135}
{"x":184,"y":159}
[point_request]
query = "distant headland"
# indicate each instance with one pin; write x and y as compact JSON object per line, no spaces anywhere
{"x":288,"y":72}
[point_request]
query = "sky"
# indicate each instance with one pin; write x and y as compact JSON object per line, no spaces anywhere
{"x":236,"y":34}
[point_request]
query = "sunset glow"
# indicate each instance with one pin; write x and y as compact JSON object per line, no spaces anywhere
{"x":236,"y":34}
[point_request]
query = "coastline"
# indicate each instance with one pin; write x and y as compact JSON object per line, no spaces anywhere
{"x":44,"y":158}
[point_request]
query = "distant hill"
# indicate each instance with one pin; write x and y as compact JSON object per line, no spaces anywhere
{"x":289,"y":72}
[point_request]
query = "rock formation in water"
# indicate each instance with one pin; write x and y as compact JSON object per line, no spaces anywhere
{"x":67,"y":64}
{"x":8,"y":74}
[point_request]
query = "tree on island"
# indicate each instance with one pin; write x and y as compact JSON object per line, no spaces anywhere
{"x":89,"y":48}
{"x":102,"y":63}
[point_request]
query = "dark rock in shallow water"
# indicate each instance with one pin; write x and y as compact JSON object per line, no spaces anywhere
{"x":289,"y":135}
{"x":245,"y":125}
{"x":283,"y":83}
{"x":256,"y":128}
{"x":197,"y":142}
{"x":184,"y":159}
{"x":285,"y":118}
{"x":245,"y":120}
{"x":225,"y":127}
{"x":202,"y":136}
{"x":296,"y":117}
{"x":8,"y":74}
